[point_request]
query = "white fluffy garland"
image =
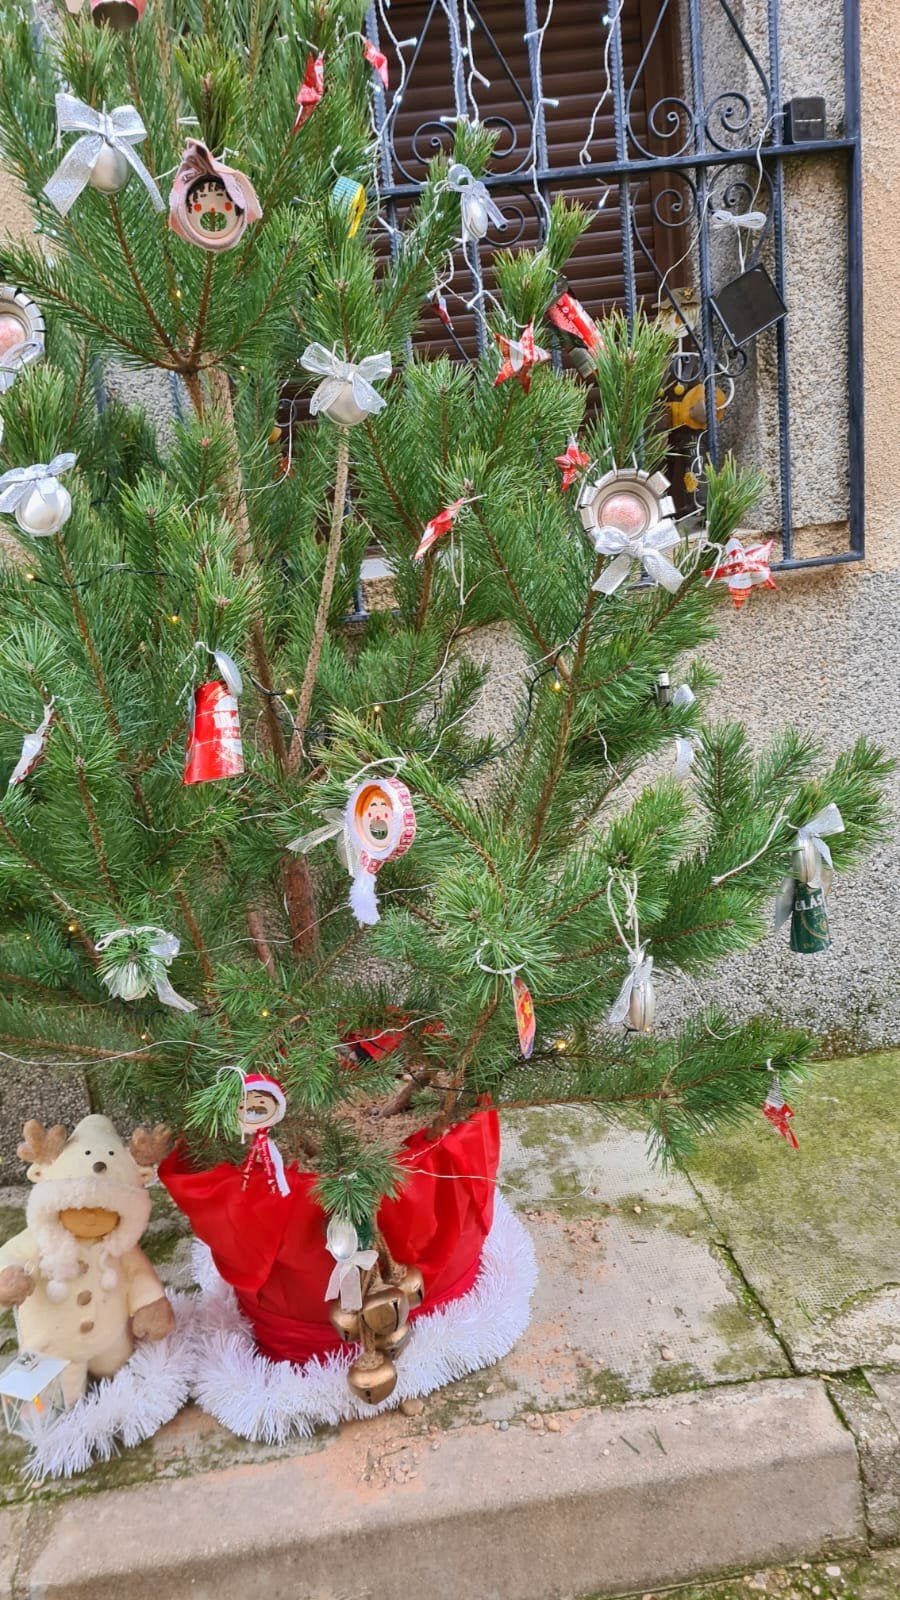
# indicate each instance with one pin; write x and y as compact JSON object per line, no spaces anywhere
{"x":127,"y":1408}
{"x":272,"y":1400}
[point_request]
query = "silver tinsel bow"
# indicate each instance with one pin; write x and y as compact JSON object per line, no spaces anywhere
{"x":343,"y":1243}
{"x":813,"y":857}
{"x":337,"y":373}
{"x":19,"y":481}
{"x":121,"y":128}
{"x":648,"y":548}
{"x":477,"y":209}
{"x":134,"y":977}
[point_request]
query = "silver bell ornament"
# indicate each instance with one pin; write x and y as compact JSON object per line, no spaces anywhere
{"x":110,"y":171}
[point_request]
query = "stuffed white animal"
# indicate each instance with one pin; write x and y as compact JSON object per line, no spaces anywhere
{"x":84,"y":1289}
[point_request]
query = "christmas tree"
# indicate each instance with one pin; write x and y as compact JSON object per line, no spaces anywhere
{"x":161,"y":929}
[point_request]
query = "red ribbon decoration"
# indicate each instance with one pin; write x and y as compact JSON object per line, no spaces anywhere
{"x":440,"y":524}
{"x":520,"y":357}
{"x":311,"y":89}
{"x":377,"y":60}
{"x":569,"y":315}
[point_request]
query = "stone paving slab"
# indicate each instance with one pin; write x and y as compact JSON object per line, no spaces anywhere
{"x":817,"y":1231}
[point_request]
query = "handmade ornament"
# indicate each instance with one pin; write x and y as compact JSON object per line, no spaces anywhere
{"x":384,"y":1312}
{"x":628,"y":514}
{"x":131,"y":970}
{"x":635,"y":1005}
{"x":34,"y":747}
{"x":372,"y":1377}
{"x":342,"y":1242}
{"x":440,"y":524}
{"x":569,"y":315}
{"x":477,"y":209}
{"x":688,"y":409}
{"x":263,"y":1104}
{"x":742,"y":568}
{"x":121,"y":15}
{"x":84,"y":1290}
{"x":685,"y":751}
{"x":379,"y":826}
{"x":777,"y":1111}
{"x":350,"y":199}
{"x":32,"y":1393}
{"x":35,"y":496}
{"x":346,"y":395}
{"x":214,"y":748}
{"x":103,"y":157}
{"x":440,"y":308}
{"x":520,"y":357}
{"x":662,"y":690}
{"x":570,"y":463}
{"x":377,"y":60}
{"x":22,"y":331}
{"x":311,"y":89}
{"x":802,"y":896}
{"x":211,"y":205}
{"x":525,"y":1018}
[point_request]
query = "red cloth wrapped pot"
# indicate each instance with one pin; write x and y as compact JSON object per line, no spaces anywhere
{"x":271,"y":1249}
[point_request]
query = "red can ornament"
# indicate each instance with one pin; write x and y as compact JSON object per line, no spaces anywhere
{"x":214,"y":748}
{"x":379,"y":826}
{"x":121,"y":15}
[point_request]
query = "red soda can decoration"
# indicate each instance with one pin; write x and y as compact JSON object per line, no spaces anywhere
{"x":214,"y":747}
{"x":118,"y":14}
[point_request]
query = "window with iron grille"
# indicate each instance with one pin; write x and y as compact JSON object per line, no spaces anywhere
{"x":726,"y":201}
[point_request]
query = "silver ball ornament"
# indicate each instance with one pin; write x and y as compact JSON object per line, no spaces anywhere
{"x":344,"y":408}
{"x":43,"y":512}
{"x":110,"y":171}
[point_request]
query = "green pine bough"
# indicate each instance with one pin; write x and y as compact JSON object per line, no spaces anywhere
{"x":526,"y":851}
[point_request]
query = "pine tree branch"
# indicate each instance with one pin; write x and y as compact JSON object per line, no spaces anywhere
{"x":323,"y":609}
{"x":514,"y":589}
{"x":255,"y":927}
{"x":96,"y":837}
{"x":396,"y":500}
{"x":442,"y":1121}
{"x":58,"y":1047}
{"x":135,"y":277}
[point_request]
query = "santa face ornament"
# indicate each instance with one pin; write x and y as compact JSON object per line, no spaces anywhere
{"x":258,"y":1110}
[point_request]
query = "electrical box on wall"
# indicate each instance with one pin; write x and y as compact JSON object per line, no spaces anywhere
{"x":804,"y":119}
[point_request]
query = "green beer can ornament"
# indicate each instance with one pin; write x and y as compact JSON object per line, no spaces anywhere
{"x":802,"y":896}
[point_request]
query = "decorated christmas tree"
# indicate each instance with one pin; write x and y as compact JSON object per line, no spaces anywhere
{"x":256,"y":867}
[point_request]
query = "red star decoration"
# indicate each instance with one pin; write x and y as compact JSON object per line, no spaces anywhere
{"x":377,"y":60}
{"x":744,"y":568}
{"x":780,"y":1118}
{"x":570,"y":463}
{"x":311,"y":89}
{"x":520,"y":357}
{"x":440,"y":524}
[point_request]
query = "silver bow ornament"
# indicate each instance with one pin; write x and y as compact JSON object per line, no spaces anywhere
{"x":338,"y":374}
{"x":122,"y":129}
{"x":649,"y":549}
{"x":635,"y":1004}
{"x":812,"y":860}
{"x":132,"y":977}
{"x":19,"y":481}
{"x":342,"y":1242}
{"x":18,"y":356}
{"x":477,"y":209}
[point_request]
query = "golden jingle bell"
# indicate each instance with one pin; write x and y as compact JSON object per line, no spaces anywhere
{"x":392,"y":1344}
{"x":372,"y":1378}
{"x":412,"y":1286}
{"x":345,"y":1323}
{"x":384,"y":1312}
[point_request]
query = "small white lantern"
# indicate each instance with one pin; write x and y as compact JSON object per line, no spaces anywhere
{"x":31,"y":1393}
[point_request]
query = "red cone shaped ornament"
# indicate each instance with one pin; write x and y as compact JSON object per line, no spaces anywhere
{"x":118,"y":14}
{"x":214,"y":743}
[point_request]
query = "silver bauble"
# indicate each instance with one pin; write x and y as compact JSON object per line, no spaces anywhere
{"x":44,"y":512}
{"x":344,"y":408}
{"x":475,"y":219}
{"x":110,"y":171}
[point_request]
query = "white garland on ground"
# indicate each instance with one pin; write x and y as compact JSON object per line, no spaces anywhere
{"x":125,"y":1409}
{"x":273,"y":1400}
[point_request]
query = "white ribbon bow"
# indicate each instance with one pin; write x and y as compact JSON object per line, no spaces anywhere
{"x":121,"y":128}
{"x":477,"y":208}
{"x":337,"y":374}
{"x":753,"y":221}
{"x":812,"y":835}
{"x":13,"y":360}
{"x":641,"y":966}
{"x":131,"y":980}
{"x":19,"y":481}
{"x":647,"y":548}
{"x":342,"y":1241}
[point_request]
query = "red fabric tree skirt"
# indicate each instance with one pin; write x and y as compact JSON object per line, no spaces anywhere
{"x":271,"y":1248}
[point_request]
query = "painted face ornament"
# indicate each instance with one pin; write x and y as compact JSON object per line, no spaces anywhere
{"x":262,"y":1106}
{"x":211,"y":205}
{"x":379,"y":826}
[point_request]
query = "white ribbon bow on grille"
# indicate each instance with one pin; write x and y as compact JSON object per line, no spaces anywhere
{"x":753,"y":221}
{"x":132,"y":980}
{"x":474,"y":198}
{"x":648,"y":548}
{"x":121,"y":128}
{"x":19,"y":481}
{"x":342,"y":1242}
{"x":826,"y":821}
{"x":337,"y":373}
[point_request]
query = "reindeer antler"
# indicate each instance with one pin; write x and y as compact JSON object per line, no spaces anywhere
{"x":149,"y":1145}
{"x":39,"y":1144}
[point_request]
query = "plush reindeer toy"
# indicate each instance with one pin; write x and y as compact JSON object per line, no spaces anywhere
{"x":84,"y":1290}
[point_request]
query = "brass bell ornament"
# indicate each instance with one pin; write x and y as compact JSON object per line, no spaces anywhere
{"x":345,"y":1324}
{"x":393,"y":1344}
{"x":372,"y":1378}
{"x":412,"y":1286}
{"x":384,"y":1312}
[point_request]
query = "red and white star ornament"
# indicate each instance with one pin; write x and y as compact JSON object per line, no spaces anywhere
{"x":440,"y":524}
{"x":742,"y":568}
{"x":520,"y":357}
{"x":377,"y":60}
{"x":569,"y":315}
{"x":570,"y":463}
{"x":777,"y":1111}
{"x":311,"y":89}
